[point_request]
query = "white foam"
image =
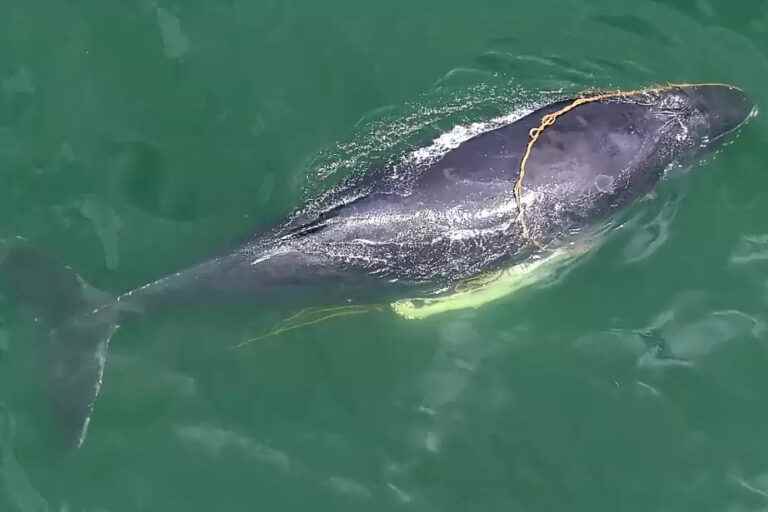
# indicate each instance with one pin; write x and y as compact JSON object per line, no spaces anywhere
{"x":458,"y":135}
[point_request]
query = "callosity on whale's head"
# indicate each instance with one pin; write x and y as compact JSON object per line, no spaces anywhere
{"x":723,"y":108}
{"x":697,"y":118}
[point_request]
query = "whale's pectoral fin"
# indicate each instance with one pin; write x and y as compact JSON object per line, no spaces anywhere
{"x":80,"y":323}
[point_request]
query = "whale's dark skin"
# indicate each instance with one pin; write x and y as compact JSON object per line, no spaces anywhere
{"x":432,"y":226}
{"x":418,"y":228}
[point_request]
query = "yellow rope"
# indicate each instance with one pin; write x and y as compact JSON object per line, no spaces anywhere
{"x":547,"y":121}
{"x":310,"y":316}
{"x":550,"y":119}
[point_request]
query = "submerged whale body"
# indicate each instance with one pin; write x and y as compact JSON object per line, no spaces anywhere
{"x":496,"y":200}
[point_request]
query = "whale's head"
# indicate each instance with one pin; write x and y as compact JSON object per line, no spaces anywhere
{"x":590,"y":156}
{"x":700,"y":117}
{"x":630,"y":138}
{"x":724,"y":107}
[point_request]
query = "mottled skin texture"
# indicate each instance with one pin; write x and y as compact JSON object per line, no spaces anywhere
{"x":419,"y":228}
{"x":434,"y":225}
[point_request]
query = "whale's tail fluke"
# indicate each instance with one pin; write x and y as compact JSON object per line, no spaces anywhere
{"x":79,"y":320}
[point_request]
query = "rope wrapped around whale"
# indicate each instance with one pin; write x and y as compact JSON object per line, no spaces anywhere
{"x":550,"y":119}
{"x":311,"y":316}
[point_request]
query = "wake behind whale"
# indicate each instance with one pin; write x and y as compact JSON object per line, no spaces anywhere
{"x":501,"y":203}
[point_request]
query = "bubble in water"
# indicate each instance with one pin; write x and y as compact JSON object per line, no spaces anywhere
{"x":750,"y":249}
{"x":19,"y":83}
{"x":697,"y":339}
{"x":349,"y":487}
{"x":175,"y":41}
{"x":214,"y":442}
{"x":650,"y":236}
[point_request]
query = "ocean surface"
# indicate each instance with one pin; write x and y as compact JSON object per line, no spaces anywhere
{"x":137,"y":138}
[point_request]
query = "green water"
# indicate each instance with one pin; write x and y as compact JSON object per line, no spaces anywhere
{"x":139,"y":137}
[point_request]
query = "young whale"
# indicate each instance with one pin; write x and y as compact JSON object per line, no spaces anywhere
{"x":499,"y":199}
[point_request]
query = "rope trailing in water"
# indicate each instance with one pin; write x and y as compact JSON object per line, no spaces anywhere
{"x":310,"y":316}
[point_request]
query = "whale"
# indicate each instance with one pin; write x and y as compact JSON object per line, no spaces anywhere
{"x":503,"y":202}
